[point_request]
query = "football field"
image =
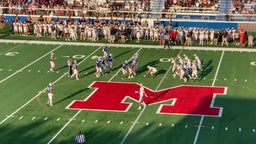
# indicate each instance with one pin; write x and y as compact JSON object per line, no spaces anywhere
{"x":218,"y":108}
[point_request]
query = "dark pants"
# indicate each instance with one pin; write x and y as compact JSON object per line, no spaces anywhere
{"x":70,"y":72}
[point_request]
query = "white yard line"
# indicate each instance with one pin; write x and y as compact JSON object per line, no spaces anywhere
{"x":138,"y":117}
{"x":11,"y":115}
{"x":213,"y":83}
{"x":29,"y":65}
{"x":53,"y":138}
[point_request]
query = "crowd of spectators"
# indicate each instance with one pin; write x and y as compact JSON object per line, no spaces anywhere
{"x":246,"y":7}
{"x":75,"y":8}
{"x":116,"y":31}
{"x":200,"y":5}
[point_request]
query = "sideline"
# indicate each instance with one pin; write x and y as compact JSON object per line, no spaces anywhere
{"x":130,"y":45}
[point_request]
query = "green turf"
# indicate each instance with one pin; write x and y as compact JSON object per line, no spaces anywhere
{"x":38,"y":123}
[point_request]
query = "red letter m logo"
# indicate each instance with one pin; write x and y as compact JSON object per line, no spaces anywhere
{"x":182,"y":100}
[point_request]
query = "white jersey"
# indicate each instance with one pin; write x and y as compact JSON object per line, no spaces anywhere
{"x":152,"y":70}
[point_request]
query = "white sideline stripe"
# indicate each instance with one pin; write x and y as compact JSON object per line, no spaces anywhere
{"x":29,"y":64}
{"x":81,"y":110}
{"x":42,"y":91}
{"x":136,"y":120}
{"x":213,"y":83}
{"x":130,"y":45}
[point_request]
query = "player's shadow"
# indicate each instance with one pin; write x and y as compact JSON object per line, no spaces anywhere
{"x":207,"y":68}
{"x":123,"y":53}
{"x":70,"y":96}
{"x":161,"y":71}
{"x":65,"y":66}
{"x":155,"y":98}
{"x":143,"y":68}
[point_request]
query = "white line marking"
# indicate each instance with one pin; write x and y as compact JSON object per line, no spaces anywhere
{"x":109,"y":122}
{"x":160,"y":124}
{"x":129,"y":131}
{"x":226,"y":128}
{"x":29,"y":64}
{"x":147,"y":123}
{"x":21,"y":117}
{"x":121,"y":122}
{"x":81,"y":110}
{"x":45,"y":118}
{"x":43,"y":90}
{"x":173,"y":125}
{"x":95,"y":121}
{"x":58,"y":119}
{"x":253,"y":130}
{"x":213,"y":83}
{"x":33,"y":118}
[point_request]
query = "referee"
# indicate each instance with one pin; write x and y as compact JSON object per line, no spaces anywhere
{"x":80,"y":138}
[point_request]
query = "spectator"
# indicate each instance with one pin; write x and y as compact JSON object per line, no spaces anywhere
{"x":250,"y":41}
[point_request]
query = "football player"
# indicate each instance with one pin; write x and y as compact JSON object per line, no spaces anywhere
{"x":142,"y":94}
{"x":98,"y":68}
{"x":124,"y":68}
{"x":151,"y":71}
{"x":50,"y":94}
{"x":75,"y":70}
{"x":110,"y":62}
{"x":52,"y":63}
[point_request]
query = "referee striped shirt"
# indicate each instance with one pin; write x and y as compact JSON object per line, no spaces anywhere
{"x":80,"y":139}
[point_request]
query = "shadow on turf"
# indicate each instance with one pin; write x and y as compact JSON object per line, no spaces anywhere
{"x":26,"y":133}
{"x":207,"y":68}
{"x":72,"y":95}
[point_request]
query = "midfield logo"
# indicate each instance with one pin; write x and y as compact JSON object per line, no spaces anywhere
{"x":181,"y":100}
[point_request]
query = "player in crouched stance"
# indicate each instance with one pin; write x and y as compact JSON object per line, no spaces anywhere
{"x":151,"y":71}
{"x":75,"y":70}
{"x":181,"y":73}
{"x":142,"y":94}
{"x":50,"y":94}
